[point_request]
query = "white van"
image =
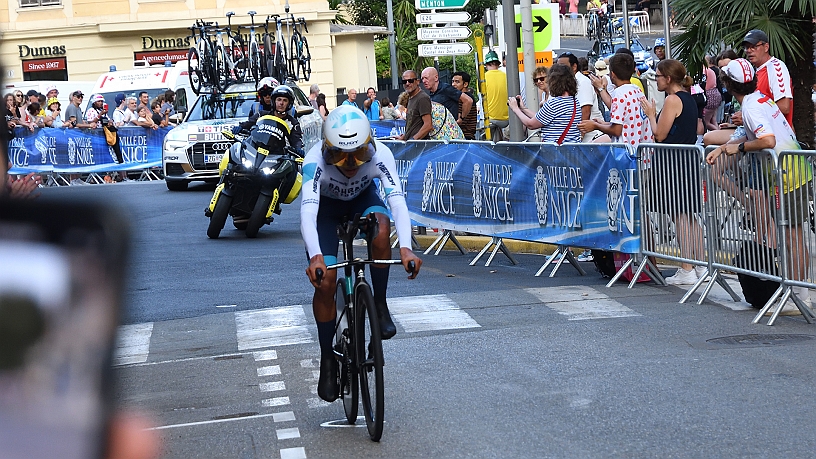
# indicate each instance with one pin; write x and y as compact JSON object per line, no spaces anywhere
{"x":65,"y":89}
{"x":154,"y":80}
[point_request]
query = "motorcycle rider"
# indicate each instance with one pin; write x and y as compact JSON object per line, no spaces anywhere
{"x":282,"y":100}
{"x":264,"y":103}
{"x":338,"y":176}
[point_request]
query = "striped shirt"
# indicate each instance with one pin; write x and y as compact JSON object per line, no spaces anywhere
{"x":468,"y":122}
{"x":555,"y":116}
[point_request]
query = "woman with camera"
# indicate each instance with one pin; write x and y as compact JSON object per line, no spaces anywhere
{"x":558,"y":118}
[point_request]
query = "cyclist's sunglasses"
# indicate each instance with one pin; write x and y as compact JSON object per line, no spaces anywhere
{"x":355,"y":158}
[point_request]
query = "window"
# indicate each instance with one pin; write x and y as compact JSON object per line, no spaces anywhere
{"x":33,"y":3}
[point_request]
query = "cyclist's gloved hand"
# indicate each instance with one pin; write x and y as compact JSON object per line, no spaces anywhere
{"x":236,"y":129}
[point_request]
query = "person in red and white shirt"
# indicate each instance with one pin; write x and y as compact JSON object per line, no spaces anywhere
{"x":773,"y":78}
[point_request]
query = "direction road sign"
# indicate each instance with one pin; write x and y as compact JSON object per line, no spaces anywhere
{"x":444,"y":49}
{"x":443,"y":18}
{"x":442,"y":33}
{"x":439,"y":4}
{"x":546,"y":27}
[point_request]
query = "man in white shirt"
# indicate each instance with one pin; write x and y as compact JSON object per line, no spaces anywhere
{"x":587,"y":97}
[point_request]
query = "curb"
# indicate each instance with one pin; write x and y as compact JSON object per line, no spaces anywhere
{"x":476,"y":243}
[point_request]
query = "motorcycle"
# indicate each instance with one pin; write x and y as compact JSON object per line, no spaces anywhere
{"x":258,"y":172}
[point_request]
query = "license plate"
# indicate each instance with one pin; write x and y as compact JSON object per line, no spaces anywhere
{"x":213,"y":158}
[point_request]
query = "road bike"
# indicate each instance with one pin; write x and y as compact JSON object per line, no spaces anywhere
{"x":200,"y":58}
{"x":254,"y":52}
{"x":301,"y":61}
{"x":275,"y":52}
{"x":358,"y":345}
{"x":230,"y":61}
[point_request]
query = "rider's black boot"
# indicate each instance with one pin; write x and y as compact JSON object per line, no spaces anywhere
{"x":327,"y":387}
{"x":387,"y":327}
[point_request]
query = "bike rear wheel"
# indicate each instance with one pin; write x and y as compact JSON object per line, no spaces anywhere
{"x":349,"y":388}
{"x":255,"y":62}
{"x":281,"y":71}
{"x":221,"y":70}
{"x":369,"y":360}
{"x":268,"y":57}
{"x":195,"y":75}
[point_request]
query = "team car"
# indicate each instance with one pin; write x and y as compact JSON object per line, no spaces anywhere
{"x":604,"y":49}
{"x":193,"y":150}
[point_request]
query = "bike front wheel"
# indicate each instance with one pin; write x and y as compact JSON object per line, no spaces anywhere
{"x":370,"y":360}
{"x":349,"y":389}
{"x":194,"y":72}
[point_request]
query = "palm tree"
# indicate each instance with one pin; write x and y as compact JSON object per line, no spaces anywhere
{"x":713,"y":25}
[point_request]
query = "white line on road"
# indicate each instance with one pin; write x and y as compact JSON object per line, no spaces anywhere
{"x":578,"y":302}
{"x":272,"y":386}
{"x":269,"y":371}
{"x":272,"y":327}
{"x":132,"y":343}
{"x":291,"y":432}
{"x":213,"y":421}
{"x":276,"y":401}
{"x":265,"y":355}
{"x":429,"y":312}
{"x":284,"y":416}
{"x":293,"y":453}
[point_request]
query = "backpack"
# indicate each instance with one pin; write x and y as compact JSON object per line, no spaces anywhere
{"x":444,"y":126}
{"x":755,"y":256}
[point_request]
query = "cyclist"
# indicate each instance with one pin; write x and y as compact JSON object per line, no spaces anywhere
{"x":283,"y":99}
{"x":338,"y":176}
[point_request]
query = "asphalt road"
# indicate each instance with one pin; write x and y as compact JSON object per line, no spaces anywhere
{"x":488,"y":361}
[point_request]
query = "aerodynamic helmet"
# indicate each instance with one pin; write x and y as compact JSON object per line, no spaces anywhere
{"x":659,"y":42}
{"x":284,"y":91}
{"x":266,"y":86}
{"x":347,"y":138}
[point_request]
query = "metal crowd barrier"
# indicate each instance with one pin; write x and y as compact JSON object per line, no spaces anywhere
{"x":573,"y":26}
{"x":750,"y":214}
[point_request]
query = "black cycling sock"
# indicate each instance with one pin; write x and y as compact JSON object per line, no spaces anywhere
{"x":379,"y":283}
{"x":325,"y":335}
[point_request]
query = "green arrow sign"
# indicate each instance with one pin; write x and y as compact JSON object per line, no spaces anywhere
{"x":546,"y":28}
{"x":439,"y":4}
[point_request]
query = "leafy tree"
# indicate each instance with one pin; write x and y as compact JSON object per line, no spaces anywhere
{"x":788,"y":23}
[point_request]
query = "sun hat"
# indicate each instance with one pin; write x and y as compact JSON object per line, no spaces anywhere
{"x":601,"y":68}
{"x":53,"y":100}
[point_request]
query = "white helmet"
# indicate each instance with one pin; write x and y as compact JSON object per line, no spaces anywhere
{"x":347,"y":138}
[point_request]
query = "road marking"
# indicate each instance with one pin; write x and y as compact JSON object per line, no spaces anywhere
{"x":284,"y":416}
{"x":284,"y":434}
{"x":272,"y":386}
{"x":313,"y":388}
{"x":132,"y":343}
{"x":276,"y":401}
{"x":316,"y":403}
{"x":187,"y":359}
{"x":293,"y":453}
{"x":265,"y":355}
{"x":429,"y":312}
{"x":343,"y":423}
{"x":578,"y":302}
{"x":227,"y":306}
{"x":307,"y":363}
{"x":212,"y":421}
{"x":272,"y":327}
{"x":269,"y":371}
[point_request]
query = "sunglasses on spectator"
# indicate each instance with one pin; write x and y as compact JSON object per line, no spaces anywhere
{"x":408,"y":80}
{"x":539,"y":79}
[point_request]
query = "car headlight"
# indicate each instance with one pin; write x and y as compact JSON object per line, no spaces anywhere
{"x":171,"y":145}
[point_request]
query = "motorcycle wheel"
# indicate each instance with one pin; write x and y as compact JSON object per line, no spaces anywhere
{"x":219,"y":216}
{"x":258,"y":218}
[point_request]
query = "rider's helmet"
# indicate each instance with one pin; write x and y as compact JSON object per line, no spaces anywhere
{"x":270,"y":133}
{"x":284,"y":91}
{"x":347,"y":141}
{"x":266,"y":86}
{"x":659,"y":43}
{"x":491,"y":56}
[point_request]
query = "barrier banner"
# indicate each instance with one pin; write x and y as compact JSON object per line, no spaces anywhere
{"x":83,"y":150}
{"x":390,"y":128}
{"x":582,"y":195}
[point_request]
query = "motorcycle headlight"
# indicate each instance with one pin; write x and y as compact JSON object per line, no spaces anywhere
{"x":268,"y":170}
{"x":247,"y":163}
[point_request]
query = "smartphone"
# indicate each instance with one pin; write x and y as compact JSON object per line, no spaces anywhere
{"x":61,"y":279}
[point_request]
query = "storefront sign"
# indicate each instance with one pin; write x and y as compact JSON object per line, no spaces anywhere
{"x":165,"y":43}
{"x":43,"y":65}
{"x":160,"y":57}
{"x":41,"y":51}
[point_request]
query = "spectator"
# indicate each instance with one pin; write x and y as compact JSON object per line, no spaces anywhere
{"x":583,"y":66}
{"x":388,"y":110}
{"x":659,"y":51}
{"x":765,"y":128}
{"x":11,"y":118}
{"x":144,"y":100}
{"x":352,"y":98}
{"x":587,"y":97}
{"x":159,"y":118}
{"x":168,"y":107}
{"x":371,"y":106}
{"x":34,"y":113}
{"x":402,"y":105}
{"x":643,"y":5}
{"x":713,"y":98}
{"x":461,"y":81}
{"x":446,"y":94}
{"x":73,"y":114}
{"x":31,"y":97}
{"x":773,"y":78}
{"x":53,"y":118}
{"x":418,"y":121}
{"x":145,"y":120}
{"x":496,"y":110}
{"x":625,"y":102}
{"x":95,"y":112}
{"x":605,"y":87}
{"x":51,"y":92}
{"x":132,"y":112}
{"x":677,"y":124}
{"x":573,"y":9}
{"x":540,"y":82}
{"x":314,"y":91}
{"x":19,"y":101}
{"x":321,"y":106}
{"x":559,"y":117}
{"x":120,"y":114}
